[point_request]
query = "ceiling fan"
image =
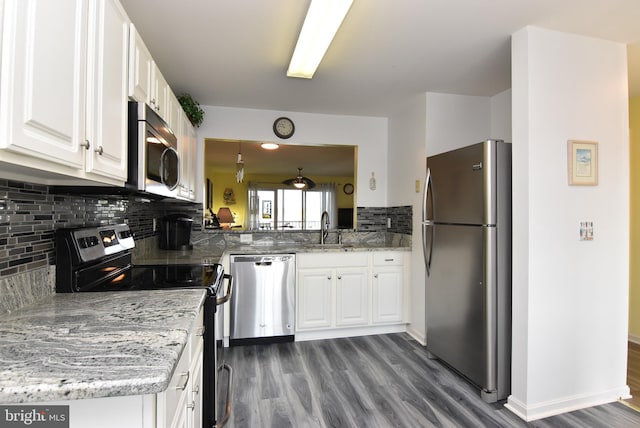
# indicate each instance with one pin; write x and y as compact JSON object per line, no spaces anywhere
{"x":300,"y":182}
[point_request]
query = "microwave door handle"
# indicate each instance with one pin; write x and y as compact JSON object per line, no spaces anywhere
{"x":163,"y":156}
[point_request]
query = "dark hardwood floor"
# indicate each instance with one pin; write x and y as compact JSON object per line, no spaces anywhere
{"x":373,"y":381}
{"x":633,"y":374}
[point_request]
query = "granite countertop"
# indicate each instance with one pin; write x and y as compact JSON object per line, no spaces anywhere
{"x":90,"y":345}
{"x":208,"y":255}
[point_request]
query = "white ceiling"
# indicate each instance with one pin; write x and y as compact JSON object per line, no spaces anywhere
{"x":235,"y":52}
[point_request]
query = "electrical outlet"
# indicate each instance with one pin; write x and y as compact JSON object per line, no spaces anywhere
{"x":246,"y":238}
{"x":417,"y":186}
{"x":155,"y":225}
{"x":388,"y":222}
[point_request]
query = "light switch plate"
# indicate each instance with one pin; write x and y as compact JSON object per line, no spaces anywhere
{"x":586,"y":231}
{"x":417,"y":186}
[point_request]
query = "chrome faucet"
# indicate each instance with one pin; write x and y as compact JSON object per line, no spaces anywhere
{"x":324,"y":227}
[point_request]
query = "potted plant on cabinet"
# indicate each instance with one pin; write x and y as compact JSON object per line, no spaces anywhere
{"x":192,"y":109}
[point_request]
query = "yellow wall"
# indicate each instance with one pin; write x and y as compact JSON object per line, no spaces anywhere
{"x":224,"y":180}
{"x":634,"y":215}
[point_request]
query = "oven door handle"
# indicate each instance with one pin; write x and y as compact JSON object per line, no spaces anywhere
{"x":224,"y":299}
{"x":227,"y":410}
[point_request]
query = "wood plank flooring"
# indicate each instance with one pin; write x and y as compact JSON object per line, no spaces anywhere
{"x":373,"y":381}
{"x":633,"y":374}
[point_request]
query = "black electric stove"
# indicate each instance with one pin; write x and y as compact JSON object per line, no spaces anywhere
{"x":98,"y":259}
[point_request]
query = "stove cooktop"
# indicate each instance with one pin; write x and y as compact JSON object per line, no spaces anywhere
{"x":165,"y":277}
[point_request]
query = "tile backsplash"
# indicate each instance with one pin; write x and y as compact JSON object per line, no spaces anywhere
{"x":30,"y":213}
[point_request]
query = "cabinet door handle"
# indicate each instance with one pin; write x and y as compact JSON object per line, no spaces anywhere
{"x":186,"y":382}
{"x":86,"y":144}
{"x":191,"y":405}
{"x":388,"y":260}
{"x":329,"y":277}
{"x":339,"y":276}
{"x":99,"y":150}
{"x":375,"y":275}
{"x":200,"y":331}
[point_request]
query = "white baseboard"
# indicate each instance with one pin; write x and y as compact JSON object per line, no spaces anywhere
{"x":417,"y":335}
{"x":634,"y":339}
{"x":336,"y":333}
{"x":568,"y":404}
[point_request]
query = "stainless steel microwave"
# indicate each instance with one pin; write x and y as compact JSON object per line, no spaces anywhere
{"x":154,"y":163}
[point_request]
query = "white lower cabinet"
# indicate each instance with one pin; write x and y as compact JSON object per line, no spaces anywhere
{"x":314,"y":298}
{"x":180,"y":405}
{"x":387,"y":287}
{"x":352,"y":296}
{"x":349,"y":293}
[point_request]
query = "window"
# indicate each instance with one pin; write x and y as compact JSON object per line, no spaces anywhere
{"x":272,"y":207}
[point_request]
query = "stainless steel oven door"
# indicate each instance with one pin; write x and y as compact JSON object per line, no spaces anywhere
{"x":218,"y":375}
{"x":224,"y":373}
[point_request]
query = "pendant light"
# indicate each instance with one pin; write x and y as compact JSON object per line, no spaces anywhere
{"x":239,"y":165}
{"x":300,"y":182}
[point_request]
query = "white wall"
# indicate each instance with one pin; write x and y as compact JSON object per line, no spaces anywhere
{"x":455,"y":121}
{"x":501,"y":116}
{"x":570,"y":298}
{"x":368,"y":133}
{"x":407,"y":136}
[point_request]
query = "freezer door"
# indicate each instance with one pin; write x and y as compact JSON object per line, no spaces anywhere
{"x":460,"y":301}
{"x":463,"y":185}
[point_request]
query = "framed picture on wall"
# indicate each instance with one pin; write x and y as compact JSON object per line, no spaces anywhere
{"x":582,"y":160}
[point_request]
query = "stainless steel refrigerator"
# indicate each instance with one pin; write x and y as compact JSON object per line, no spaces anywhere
{"x":466,"y":237}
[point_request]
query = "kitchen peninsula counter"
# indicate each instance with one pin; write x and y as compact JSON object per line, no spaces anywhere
{"x":209,"y":255}
{"x":91,"y":345}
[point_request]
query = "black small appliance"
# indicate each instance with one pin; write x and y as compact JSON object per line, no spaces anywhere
{"x":175,"y":232}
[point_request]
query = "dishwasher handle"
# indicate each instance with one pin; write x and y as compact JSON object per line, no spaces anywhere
{"x":224,"y":299}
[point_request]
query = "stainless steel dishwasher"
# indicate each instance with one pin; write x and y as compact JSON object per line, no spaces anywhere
{"x":262,"y":305}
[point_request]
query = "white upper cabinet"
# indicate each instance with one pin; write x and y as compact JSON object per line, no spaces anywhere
{"x":63,"y":88}
{"x":160,"y":91}
{"x":107,"y":114}
{"x":140,"y":68}
{"x":44,"y":79}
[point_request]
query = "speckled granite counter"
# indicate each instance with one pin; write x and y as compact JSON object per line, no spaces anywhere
{"x":90,"y":345}
{"x":206,"y":255}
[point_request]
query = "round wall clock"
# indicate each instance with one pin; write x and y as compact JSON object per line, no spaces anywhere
{"x":283,"y":127}
{"x":348,"y":189}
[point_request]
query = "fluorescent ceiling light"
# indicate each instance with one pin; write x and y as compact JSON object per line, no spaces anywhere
{"x":269,"y":146}
{"x":324,"y":17}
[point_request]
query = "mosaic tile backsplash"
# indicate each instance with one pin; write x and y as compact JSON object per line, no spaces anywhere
{"x":30,"y":213}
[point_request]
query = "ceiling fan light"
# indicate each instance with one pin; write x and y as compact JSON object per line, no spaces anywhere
{"x":299,"y":184}
{"x":323,"y":19}
{"x":269,"y":146}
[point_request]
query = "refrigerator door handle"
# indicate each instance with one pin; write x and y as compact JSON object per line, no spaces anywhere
{"x":427,"y":223}
{"x":427,"y":187}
